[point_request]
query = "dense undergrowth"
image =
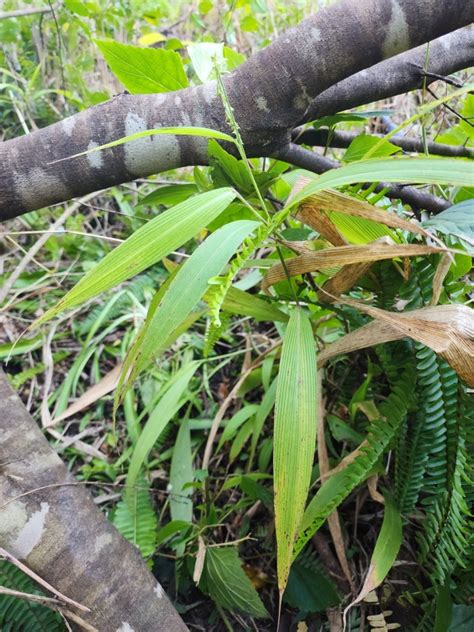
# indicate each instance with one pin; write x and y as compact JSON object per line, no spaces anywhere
{"x":205,"y":428}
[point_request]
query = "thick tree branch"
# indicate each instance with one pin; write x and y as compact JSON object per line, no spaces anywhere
{"x":341,"y":140}
{"x":271,"y":93}
{"x":306,"y":159}
{"x":61,"y":535}
{"x":398,"y":74}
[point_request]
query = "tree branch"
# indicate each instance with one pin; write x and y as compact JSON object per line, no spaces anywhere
{"x":306,"y":159}
{"x":61,"y":535}
{"x":18,"y":13}
{"x":397,"y":75}
{"x":341,"y":140}
{"x":271,"y":93}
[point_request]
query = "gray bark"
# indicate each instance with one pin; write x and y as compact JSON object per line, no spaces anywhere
{"x":271,"y":93}
{"x":399,"y":74}
{"x":61,"y":535}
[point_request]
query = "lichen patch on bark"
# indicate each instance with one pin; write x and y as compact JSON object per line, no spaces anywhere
{"x":38,"y":184}
{"x":94,"y":159}
{"x":397,"y":38}
{"x":31,"y":533}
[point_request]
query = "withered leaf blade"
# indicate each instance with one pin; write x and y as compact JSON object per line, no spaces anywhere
{"x":327,"y":201}
{"x":446,"y":329}
{"x":341,"y":256}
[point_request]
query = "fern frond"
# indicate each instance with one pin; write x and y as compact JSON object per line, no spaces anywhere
{"x":446,"y":539}
{"x":19,"y":614}
{"x":214,"y":333}
{"x":219,"y":286}
{"x":136,"y":519}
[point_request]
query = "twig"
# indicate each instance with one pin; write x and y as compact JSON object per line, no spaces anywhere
{"x":19,"y":13}
{"x":10,"y":558}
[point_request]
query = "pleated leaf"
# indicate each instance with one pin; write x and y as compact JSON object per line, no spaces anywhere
{"x":452,"y":171}
{"x":294,"y":436}
{"x":150,"y":243}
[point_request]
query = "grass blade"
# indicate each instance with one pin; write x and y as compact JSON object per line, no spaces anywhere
{"x":385,"y":551}
{"x":162,"y":414}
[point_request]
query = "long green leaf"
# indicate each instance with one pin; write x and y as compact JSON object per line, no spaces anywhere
{"x":385,"y":551}
{"x":162,"y":414}
{"x":181,"y":473}
{"x":150,"y":243}
{"x":244,"y":304}
{"x":185,"y":292}
{"x":450,"y":171}
{"x":294,"y":436}
{"x":204,"y":132}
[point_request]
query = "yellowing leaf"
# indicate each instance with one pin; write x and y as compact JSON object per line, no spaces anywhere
{"x":329,"y":201}
{"x":151,"y":38}
{"x":294,"y":436}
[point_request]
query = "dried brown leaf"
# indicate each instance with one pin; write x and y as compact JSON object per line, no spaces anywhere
{"x":97,"y":391}
{"x":447,"y":329}
{"x":343,"y":255}
{"x":335,"y":201}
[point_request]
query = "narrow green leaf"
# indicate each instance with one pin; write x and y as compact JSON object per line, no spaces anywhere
{"x":181,"y":473}
{"x":244,"y":304}
{"x":185,"y":292}
{"x":294,"y":436}
{"x":144,"y":70}
{"x":387,"y":546}
{"x":227,"y":584}
{"x":171,"y":529}
{"x":150,"y":243}
{"x":159,"y":418}
{"x":169,"y":195}
{"x":385,"y":551}
{"x":205,"y":132}
{"x":450,"y":171}
{"x":233,"y":425}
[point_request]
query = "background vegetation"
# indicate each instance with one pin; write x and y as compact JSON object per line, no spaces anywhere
{"x":189,"y":468}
